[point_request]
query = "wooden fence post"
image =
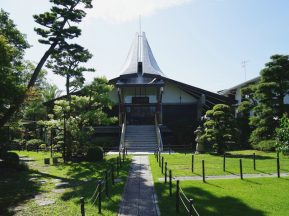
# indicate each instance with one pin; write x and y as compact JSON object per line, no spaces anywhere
{"x":99,"y":196}
{"x":178,"y":197}
{"x":224,"y":162}
{"x":162,"y":165}
{"x":82,"y":206}
{"x":203,"y":169}
{"x":241,"y":169}
{"x":254,"y":160}
{"x":193,"y":163}
{"x":171,"y":185}
{"x":278,"y":167}
{"x":166,"y":170}
{"x":106,"y":183}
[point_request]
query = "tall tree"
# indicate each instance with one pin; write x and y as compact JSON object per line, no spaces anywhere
{"x":270,"y":92}
{"x":219,"y":128}
{"x":58,"y":26}
{"x":12,"y":46}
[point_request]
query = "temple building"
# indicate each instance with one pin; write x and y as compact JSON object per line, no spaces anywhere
{"x":143,"y":91}
{"x":151,"y":107}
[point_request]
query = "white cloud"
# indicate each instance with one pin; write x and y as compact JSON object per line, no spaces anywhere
{"x":127,"y":10}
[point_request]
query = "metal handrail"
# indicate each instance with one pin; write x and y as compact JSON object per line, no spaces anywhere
{"x":122,"y":137}
{"x":159,"y":136}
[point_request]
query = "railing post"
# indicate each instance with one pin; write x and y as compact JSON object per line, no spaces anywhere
{"x":82,"y":206}
{"x":99,"y":196}
{"x":178,"y":197}
{"x":278,"y":167}
{"x":193,"y":162}
{"x":241,"y":169}
{"x":191,"y":207}
{"x":254,"y":160}
{"x":162,"y":165}
{"x":171,"y":185}
{"x":157,"y":156}
{"x":203,"y":170}
{"x":166,"y":170}
{"x":125,"y":151}
{"x":106,"y":183}
{"x":112,"y":174}
{"x":224,"y":162}
{"x":160,"y":159}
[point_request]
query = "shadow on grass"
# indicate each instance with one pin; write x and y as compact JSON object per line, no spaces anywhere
{"x":87,"y":188}
{"x":16,"y":187}
{"x":205,"y":202}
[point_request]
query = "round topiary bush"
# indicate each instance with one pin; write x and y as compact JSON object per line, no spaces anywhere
{"x":33,"y":144}
{"x":94,"y":154}
{"x":11,"y":159}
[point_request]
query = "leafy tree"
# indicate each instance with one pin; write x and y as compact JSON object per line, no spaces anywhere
{"x":282,"y":143}
{"x":270,"y":92}
{"x":58,"y":26}
{"x":12,"y":46}
{"x":50,"y":92}
{"x":85,"y":112}
{"x":219,"y":128}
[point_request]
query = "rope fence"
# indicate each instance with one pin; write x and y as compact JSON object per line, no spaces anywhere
{"x":103,"y":187}
{"x":181,"y":198}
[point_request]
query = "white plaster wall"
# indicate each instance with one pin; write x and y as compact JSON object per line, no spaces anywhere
{"x":238,"y":95}
{"x":172,"y":95}
{"x":130,"y":92}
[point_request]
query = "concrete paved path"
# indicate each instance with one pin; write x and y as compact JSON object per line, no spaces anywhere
{"x":139,"y":198}
{"x":258,"y":175}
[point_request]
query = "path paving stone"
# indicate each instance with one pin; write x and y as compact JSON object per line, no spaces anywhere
{"x":139,"y":197}
{"x":62,"y":185}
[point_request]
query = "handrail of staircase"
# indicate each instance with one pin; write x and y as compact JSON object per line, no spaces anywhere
{"x":159,"y":135}
{"x":123,"y":129}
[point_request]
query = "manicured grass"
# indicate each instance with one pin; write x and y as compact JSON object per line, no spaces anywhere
{"x":254,"y":197}
{"x":259,"y":196}
{"x":20,"y":188}
{"x":181,"y":164}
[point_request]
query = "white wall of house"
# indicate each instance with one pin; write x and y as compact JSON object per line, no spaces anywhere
{"x":172,"y":95}
{"x":130,"y":92}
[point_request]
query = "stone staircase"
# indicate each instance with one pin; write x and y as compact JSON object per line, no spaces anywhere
{"x":140,"y":138}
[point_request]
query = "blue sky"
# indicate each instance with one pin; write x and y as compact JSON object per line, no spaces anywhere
{"x":198,"y":42}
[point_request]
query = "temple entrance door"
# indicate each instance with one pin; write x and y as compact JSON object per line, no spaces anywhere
{"x":140,"y":112}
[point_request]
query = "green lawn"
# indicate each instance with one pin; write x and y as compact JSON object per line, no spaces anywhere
{"x":23,"y":188}
{"x":257,"y":197}
{"x":180,"y":164}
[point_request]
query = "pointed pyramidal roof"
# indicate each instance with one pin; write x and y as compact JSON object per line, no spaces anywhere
{"x":140,"y":59}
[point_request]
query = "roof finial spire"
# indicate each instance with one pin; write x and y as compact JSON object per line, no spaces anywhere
{"x":140,"y":25}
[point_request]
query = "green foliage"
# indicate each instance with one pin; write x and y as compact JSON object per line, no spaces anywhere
{"x":33,"y":144}
{"x":265,"y":145}
{"x":282,"y":143}
{"x":84,"y":112}
{"x":11,"y":159}
{"x":94,"y":154}
{"x":57,"y":27}
{"x":219,"y":128}
{"x":270,"y":92}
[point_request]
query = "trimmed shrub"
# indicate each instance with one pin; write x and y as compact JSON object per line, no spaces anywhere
{"x":11,"y":159}
{"x":94,"y":154}
{"x":265,"y":145}
{"x":33,"y":144}
{"x":43,"y":147}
